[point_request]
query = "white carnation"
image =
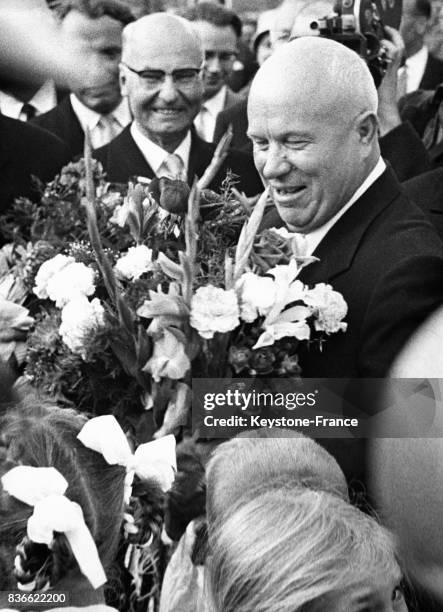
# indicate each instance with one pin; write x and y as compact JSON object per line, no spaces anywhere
{"x":73,"y":281}
{"x":47,"y":270}
{"x":256,"y":295}
{"x":214,"y":310}
{"x":80,"y":318}
{"x":329,"y":308}
{"x":136,"y":262}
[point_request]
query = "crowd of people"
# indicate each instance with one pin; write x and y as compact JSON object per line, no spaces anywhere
{"x":353,"y":166}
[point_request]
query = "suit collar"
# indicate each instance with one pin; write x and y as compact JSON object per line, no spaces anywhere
{"x":130,"y":159}
{"x":338,"y":248}
{"x":133,"y":163}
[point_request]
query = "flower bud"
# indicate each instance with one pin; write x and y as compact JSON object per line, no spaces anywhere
{"x":171,"y":194}
{"x":239,"y":357}
{"x":262,"y":360}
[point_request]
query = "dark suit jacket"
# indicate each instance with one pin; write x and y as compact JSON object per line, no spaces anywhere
{"x":63,"y":122}
{"x":122,"y":159}
{"x":402,"y":146}
{"x":426,"y":191}
{"x":433,"y":74}
{"x":236,"y":116}
{"x":419,"y":107}
{"x":232,"y":98}
{"x":26,"y":150}
{"x":386,"y":259}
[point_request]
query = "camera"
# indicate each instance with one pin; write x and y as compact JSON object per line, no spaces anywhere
{"x":359,"y":25}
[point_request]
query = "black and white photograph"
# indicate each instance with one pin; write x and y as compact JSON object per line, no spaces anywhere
{"x":221,"y":305}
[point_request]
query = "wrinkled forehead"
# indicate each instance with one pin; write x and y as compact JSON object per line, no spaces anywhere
{"x":270,"y":96}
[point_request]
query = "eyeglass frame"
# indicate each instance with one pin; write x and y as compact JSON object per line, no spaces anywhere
{"x":164,"y":74}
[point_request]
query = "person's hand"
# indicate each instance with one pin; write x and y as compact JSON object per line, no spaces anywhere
{"x":388,"y":113}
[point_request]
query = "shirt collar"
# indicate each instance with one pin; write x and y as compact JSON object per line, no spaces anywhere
{"x":216,"y":104}
{"x":419,"y":59}
{"x":89,"y":118}
{"x":155,"y":155}
{"x":43,"y":100}
{"x":314,"y":238}
{"x":415,"y":67}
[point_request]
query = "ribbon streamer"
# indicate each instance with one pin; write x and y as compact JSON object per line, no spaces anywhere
{"x":44,"y":488}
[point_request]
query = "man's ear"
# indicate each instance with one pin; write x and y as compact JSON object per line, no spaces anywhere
{"x":367,"y":127}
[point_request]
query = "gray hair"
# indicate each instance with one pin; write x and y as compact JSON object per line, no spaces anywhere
{"x":245,"y":464}
{"x":289,"y":548}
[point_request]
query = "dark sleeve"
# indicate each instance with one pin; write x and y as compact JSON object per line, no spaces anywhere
{"x":418,"y":108}
{"x":405,"y":151}
{"x":56,"y":155}
{"x":403,"y":298}
{"x":426,"y":191}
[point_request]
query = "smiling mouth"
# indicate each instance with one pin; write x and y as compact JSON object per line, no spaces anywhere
{"x":283,"y":193}
{"x":168,"y":112}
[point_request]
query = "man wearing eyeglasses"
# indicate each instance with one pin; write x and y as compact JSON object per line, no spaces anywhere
{"x":220,"y":32}
{"x":160,"y":74}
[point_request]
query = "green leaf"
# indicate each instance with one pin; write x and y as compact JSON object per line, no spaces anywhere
{"x":247,"y":236}
{"x":170,"y":268}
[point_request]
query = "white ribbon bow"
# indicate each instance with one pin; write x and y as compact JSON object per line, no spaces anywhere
{"x":44,"y":489}
{"x":155,"y":459}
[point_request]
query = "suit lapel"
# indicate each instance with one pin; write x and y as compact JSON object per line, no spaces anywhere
{"x":433,"y":73}
{"x":75,"y":137}
{"x":127,"y":157}
{"x":337,"y":250}
{"x":199,"y":157}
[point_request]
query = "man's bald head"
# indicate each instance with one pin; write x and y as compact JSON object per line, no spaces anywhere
{"x":160,"y":74}
{"x":326,"y":74}
{"x":312,"y":119}
{"x":158,"y":33}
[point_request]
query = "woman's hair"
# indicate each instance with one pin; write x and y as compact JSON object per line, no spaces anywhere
{"x":41,"y":435}
{"x":245,"y":464}
{"x":290,"y":548}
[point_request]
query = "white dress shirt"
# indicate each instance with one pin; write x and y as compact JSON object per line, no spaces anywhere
{"x":43,"y":101}
{"x":414,"y":69}
{"x":207,"y":117}
{"x":313,"y":239}
{"x":155,"y":156}
{"x":101,"y":132}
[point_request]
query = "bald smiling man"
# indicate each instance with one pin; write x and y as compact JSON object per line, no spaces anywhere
{"x":313,"y":123}
{"x":160,"y":74}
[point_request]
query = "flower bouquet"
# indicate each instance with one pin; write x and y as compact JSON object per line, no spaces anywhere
{"x":132,"y":302}
{"x":132,"y":298}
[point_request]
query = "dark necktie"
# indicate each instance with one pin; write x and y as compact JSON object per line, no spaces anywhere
{"x":29,"y":111}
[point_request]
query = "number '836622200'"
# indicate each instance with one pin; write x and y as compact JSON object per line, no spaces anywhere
{"x":19,"y":599}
